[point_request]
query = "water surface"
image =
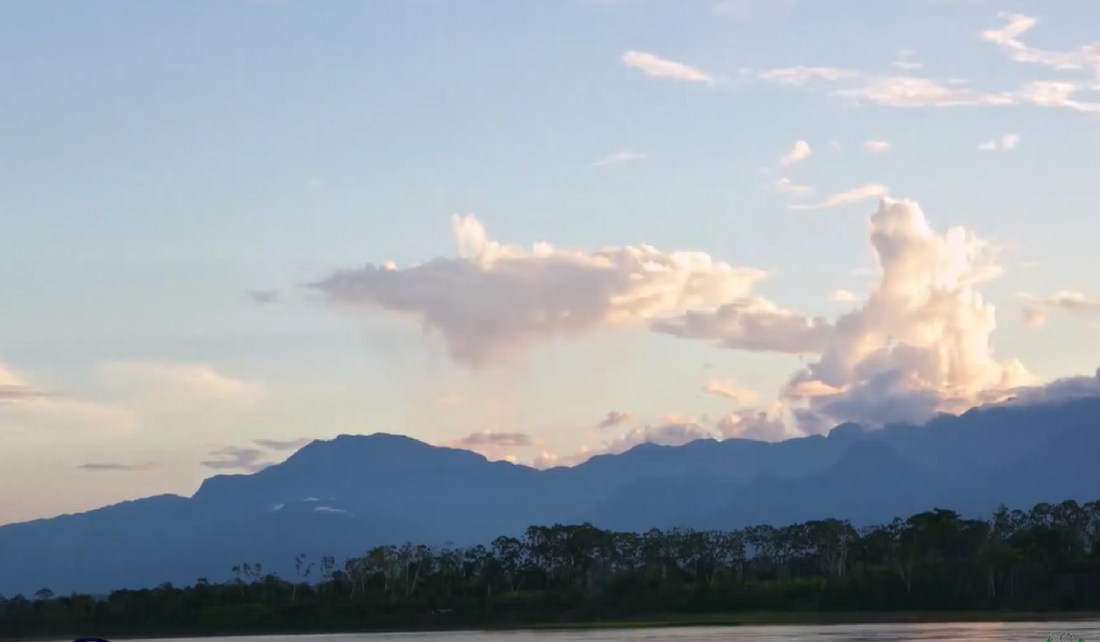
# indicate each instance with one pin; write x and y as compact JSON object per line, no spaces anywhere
{"x":954,"y":632}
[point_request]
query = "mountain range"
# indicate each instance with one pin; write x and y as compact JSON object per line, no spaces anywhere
{"x":342,"y":496}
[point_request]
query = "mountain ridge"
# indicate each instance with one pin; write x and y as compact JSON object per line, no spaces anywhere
{"x":340,"y":496}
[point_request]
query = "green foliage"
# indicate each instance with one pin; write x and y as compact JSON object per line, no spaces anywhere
{"x":1047,"y":559}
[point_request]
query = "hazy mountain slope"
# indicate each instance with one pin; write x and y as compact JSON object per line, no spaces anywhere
{"x":341,"y":497}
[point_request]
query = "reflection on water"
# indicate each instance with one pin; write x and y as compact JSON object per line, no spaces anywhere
{"x":977,"y":632}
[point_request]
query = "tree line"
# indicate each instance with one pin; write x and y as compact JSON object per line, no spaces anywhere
{"x":1044,"y":559}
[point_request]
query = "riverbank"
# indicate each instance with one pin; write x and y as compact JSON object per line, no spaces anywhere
{"x":654,"y":622}
{"x":821,"y":619}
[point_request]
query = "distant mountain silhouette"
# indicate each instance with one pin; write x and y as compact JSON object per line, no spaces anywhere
{"x":343,"y":496}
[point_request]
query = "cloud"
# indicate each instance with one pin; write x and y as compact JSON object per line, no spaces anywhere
{"x":803,"y":75}
{"x":497,"y":300}
{"x":800,"y":152}
{"x":1057,"y":391}
{"x":785,"y":186}
{"x":183,"y":383}
{"x":263,"y":297}
{"x":675,"y":431}
{"x":911,"y":91}
{"x":122,"y":468}
{"x":1006,"y":38}
{"x":763,"y":425}
{"x":905,"y":61}
{"x":1035,"y":309}
{"x":728,"y":389}
{"x":1055,"y":94}
{"x":855,"y":195}
{"x":1004,"y":143}
{"x":656,"y":67}
{"x":614,"y":418}
{"x":876,"y":146}
{"x":752,"y":324}
{"x":276,"y":444}
{"x":492,"y":440}
{"x":234,"y":458}
{"x":619,"y":157}
{"x":842,"y":296}
{"x":920,"y":343}
{"x":25,"y":405}
{"x":731,"y":9}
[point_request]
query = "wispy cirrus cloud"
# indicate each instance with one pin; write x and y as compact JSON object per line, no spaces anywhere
{"x":656,"y":67}
{"x":1005,"y":143}
{"x":235,"y":458}
{"x":854,"y":195}
{"x":1036,"y":309}
{"x":119,"y":468}
{"x":729,"y":389}
{"x":786,"y":186}
{"x":285,"y":444}
{"x":619,"y":157}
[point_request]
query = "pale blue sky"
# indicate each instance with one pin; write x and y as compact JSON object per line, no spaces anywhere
{"x":158,"y":160}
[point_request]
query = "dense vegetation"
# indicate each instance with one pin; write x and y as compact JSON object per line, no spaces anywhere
{"x":1046,"y":559}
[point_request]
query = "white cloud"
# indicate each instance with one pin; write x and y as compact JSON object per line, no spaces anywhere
{"x":490,"y":440}
{"x":876,"y":146}
{"x":619,"y":157}
{"x":175,"y":382}
{"x":1056,"y":94}
{"x":842,"y":296}
{"x":283,"y":444}
{"x":785,"y":186}
{"x":803,"y":75}
{"x":676,"y":430}
{"x":1006,"y":38}
{"x":921,"y":341}
{"x":910,"y":91}
{"x":728,"y":389}
{"x":1007,"y":142}
{"x":905,"y":60}
{"x":666,"y":69}
{"x":800,"y":152}
{"x":233,"y":458}
{"x":855,"y":195}
{"x":1035,"y":310}
{"x":497,"y":300}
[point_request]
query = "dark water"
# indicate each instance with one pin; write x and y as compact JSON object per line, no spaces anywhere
{"x":977,"y":632}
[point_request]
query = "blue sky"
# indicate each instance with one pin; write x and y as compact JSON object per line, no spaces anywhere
{"x":159,"y":161}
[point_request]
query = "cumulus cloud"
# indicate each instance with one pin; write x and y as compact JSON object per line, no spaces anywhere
{"x":728,"y":389}
{"x":619,"y":157}
{"x":655,"y":67}
{"x":1057,"y":391}
{"x":842,"y":296}
{"x":762,"y":425}
{"x":1035,"y":309}
{"x":119,"y":468}
{"x":277,"y":444}
{"x":753,"y":324}
{"x":799,"y":152}
{"x":496,"y":300}
{"x":234,"y":458}
{"x":614,"y":418}
{"x":854,"y":195}
{"x":167,"y":382}
{"x":1007,"y":142}
{"x":785,"y":186}
{"x":676,"y":430}
{"x":876,"y":146}
{"x":920,"y":343}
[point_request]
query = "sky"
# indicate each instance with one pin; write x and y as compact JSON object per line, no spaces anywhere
{"x":540,"y":229}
